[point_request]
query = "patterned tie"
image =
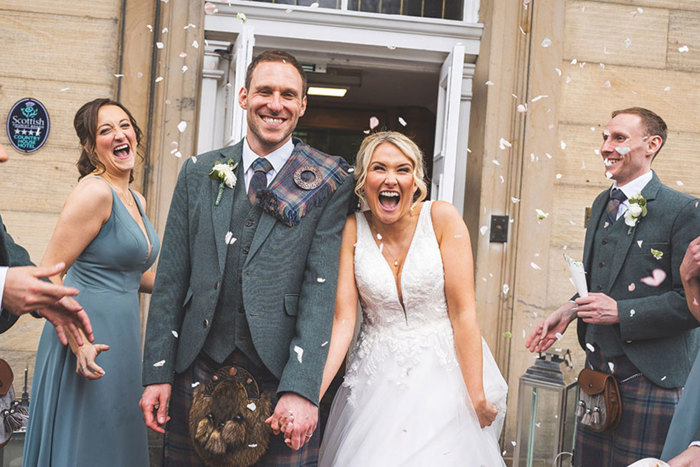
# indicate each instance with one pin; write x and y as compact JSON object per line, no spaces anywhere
{"x":261,"y":166}
{"x":616,"y":197}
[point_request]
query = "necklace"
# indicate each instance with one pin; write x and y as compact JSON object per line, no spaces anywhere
{"x":126,"y":199}
{"x":382,"y":245}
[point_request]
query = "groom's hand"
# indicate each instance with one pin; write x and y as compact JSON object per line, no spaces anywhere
{"x":296,"y":417}
{"x":154,"y":406}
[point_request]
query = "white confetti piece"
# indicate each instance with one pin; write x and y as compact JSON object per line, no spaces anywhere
{"x":483,"y":229}
{"x":190,"y":26}
{"x":242,"y":17}
{"x":489,"y":83}
{"x":320,"y":280}
{"x":379,"y":236}
{"x":558,"y":336}
{"x":159,"y":79}
{"x":640,"y":10}
{"x":373,"y":122}
{"x":252,"y":445}
{"x":229,"y":239}
{"x":178,"y":154}
{"x":522,"y":108}
{"x":639,"y":243}
{"x":503,"y":143}
{"x":175,"y":334}
{"x":299,"y":351}
{"x":607,"y":84}
{"x":656,"y":278}
{"x":563,"y":145}
{"x":210,"y":8}
{"x":663,"y":378}
{"x":182,"y":126}
{"x":324,"y":344}
{"x":459,"y":236}
{"x":252,"y":406}
{"x":495,"y":162}
{"x":667,"y":88}
{"x":160,"y":45}
{"x":612,"y":367}
{"x":402,"y":121}
{"x":194,"y":159}
{"x":195,"y":384}
{"x":351,"y":170}
{"x":541,"y":214}
{"x":608,"y":175}
{"x":118,"y":75}
{"x":515,"y":200}
{"x":623,"y":150}
{"x":164,"y":31}
{"x":159,"y":364}
{"x":314,"y":5}
{"x":139,"y":75}
{"x":590,"y":347}
{"x":679,"y":183}
{"x":64,"y":89}
{"x":683,"y":49}
{"x":558,"y":70}
{"x":631,"y":287}
{"x":513,"y":443}
{"x":632,"y":312}
{"x":195,"y":44}
{"x":506,"y":289}
{"x":183,"y":54}
{"x":558,"y":176}
{"x":574,"y":61}
{"x":546,"y":42}
{"x":184,"y":68}
{"x":537,"y":98}
{"x":628,"y":42}
{"x":535,"y":266}
{"x":150,"y":28}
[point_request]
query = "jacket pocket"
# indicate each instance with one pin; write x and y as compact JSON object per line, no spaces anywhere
{"x":291,"y":303}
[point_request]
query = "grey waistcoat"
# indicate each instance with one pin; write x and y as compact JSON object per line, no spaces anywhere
{"x":229,"y":330}
{"x":607,"y":337}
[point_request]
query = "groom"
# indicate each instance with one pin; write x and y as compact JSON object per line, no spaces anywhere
{"x":250,"y":278}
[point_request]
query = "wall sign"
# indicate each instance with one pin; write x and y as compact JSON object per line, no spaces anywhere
{"x":28,"y":125}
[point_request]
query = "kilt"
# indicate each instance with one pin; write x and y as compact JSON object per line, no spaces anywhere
{"x":647,"y":410}
{"x":178,"y":450}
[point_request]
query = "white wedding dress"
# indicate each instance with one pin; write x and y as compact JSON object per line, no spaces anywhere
{"x":403,"y":401}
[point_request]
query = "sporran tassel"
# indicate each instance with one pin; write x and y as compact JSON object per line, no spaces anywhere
{"x":580,"y":409}
{"x":586,"y":420}
{"x":595,"y":418}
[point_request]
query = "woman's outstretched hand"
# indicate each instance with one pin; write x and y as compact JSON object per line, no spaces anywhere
{"x":85,"y":356}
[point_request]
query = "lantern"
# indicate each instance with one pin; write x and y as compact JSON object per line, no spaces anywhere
{"x":546,"y":405}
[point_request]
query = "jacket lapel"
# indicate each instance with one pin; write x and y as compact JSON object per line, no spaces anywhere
{"x":596,"y":211}
{"x":221,"y":214}
{"x":265,"y":225}
{"x":649,"y":193}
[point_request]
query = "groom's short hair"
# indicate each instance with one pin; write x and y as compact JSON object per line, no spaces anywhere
{"x":275,"y":56}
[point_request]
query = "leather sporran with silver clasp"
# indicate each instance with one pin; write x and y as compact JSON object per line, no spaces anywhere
{"x":599,"y":407}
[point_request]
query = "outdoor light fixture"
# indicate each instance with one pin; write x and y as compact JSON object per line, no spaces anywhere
{"x":546,"y":421}
{"x":328,"y":92}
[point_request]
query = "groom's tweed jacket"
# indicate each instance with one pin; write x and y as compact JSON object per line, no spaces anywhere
{"x":288,"y":279}
{"x":11,"y":254}
{"x":656,"y":331}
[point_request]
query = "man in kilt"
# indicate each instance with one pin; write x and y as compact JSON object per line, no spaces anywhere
{"x":635,"y":323}
{"x":248,"y":271}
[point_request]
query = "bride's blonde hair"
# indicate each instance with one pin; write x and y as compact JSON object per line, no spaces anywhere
{"x":404,"y":144}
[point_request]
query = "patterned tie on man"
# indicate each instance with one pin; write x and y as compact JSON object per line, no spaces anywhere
{"x":261,"y":166}
{"x":616,"y":197}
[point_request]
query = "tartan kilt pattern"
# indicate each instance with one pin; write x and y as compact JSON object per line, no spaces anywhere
{"x":178,"y":450}
{"x":647,"y":411}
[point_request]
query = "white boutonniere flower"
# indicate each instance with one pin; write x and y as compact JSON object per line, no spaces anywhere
{"x":636,"y":210}
{"x":223,"y":173}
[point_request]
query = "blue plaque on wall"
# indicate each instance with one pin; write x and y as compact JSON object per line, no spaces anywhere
{"x":28,"y":125}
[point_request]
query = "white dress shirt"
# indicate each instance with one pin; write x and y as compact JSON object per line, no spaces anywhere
{"x":631,"y":189}
{"x":3,"y":274}
{"x":277,"y":158}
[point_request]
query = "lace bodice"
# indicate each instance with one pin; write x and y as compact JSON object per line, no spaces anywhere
{"x":387,"y":326}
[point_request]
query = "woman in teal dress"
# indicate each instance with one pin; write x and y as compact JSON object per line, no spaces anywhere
{"x":84,"y":408}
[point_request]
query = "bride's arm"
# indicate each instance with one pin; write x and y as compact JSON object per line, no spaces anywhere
{"x":455,"y":249}
{"x":345,"y":306}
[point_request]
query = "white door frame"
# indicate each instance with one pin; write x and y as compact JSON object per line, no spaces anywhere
{"x":386,"y":41}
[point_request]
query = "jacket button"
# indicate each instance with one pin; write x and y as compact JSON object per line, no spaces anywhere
{"x":216,"y":286}
{"x":599,"y":287}
{"x":601,"y":264}
{"x":245,"y":250}
{"x":240,"y":279}
{"x":249,"y":223}
{"x":205,"y":323}
{"x":604,"y":242}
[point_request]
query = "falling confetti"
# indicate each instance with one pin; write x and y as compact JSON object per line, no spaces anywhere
{"x":195,"y":384}
{"x":631,"y":287}
{"x":558,"y":336}
{"x":667,"y":88}
{"x":541,"y":96}
{"x":522,"y":108}
{"x":606,"y":84}
{"x":590,"y":347}
{"x":194,"y":159}
{"x":535,"y":266}
{"x":324,"y":344}
{"x":608,"y":175}
{"x":628,"y":42}
{"x":632,"y":312}
{"x":160,"y":45}
{"x":195,"y":44}
{"x":159,"y":79}
{"x":546,"y":42}
{"x":656,"y":278}
{"x":252,"y":406}
{"x":515,"y":200}
{"x":623,"y":150}
{"x":182,"y":126}
{"x":612,"y":367}
{"x":679,"y":183}
{"x":563,"y":145}
{"x":252,"y":445}
{"x":299,"y":351}
{"x":159,"y":364}
{"x":483,"y":229}
{"x":229,"y":239}
{"x":541,"y":214}
{"x":504,"y":143}
{"x":495,"y":162}
{"x":64,"y":89}
{"x":241,"y":16}
{"x":314,"y":5}
{"x":683,"y":49}
{"x":657,"y":253}
{"x":639,"y":243}
{"x":118,"y":75}
{"x":489,"y":83}
{"x":558,"y":70}
{"x":507,"y":334}
{"x":210,"y":8}
{"x":663,"y":378}
{"x":379,"y":236}
{"x":373,"y":122}
{"x":184,"y":68}
{"x":506,"y":289}
{"x":174,"y":334}
{"x":320,"y":280}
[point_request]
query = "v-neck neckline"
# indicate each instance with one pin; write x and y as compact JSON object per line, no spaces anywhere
{"x":144,"y":231}
{"x":398,"y":284}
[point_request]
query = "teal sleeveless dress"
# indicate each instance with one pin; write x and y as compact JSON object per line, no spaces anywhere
{"x":74,"y":421}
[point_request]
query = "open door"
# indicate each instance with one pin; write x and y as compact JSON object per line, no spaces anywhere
{"x":241,"y":56}
{"x":447,"y":126}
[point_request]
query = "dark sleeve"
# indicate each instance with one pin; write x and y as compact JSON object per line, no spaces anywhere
{"x":11,"y":254}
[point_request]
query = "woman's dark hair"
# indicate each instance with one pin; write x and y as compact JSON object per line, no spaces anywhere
{"x":85,"y":124}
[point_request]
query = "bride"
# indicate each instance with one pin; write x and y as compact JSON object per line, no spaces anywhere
{"x":421,"y":387}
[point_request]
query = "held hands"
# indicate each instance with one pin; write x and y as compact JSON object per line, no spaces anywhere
{"x":25,"y":292}
{"x":154,"y":406}
{"x":85,"y":356}
{"x":295,"y":417}
{"x":486,"y":412}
